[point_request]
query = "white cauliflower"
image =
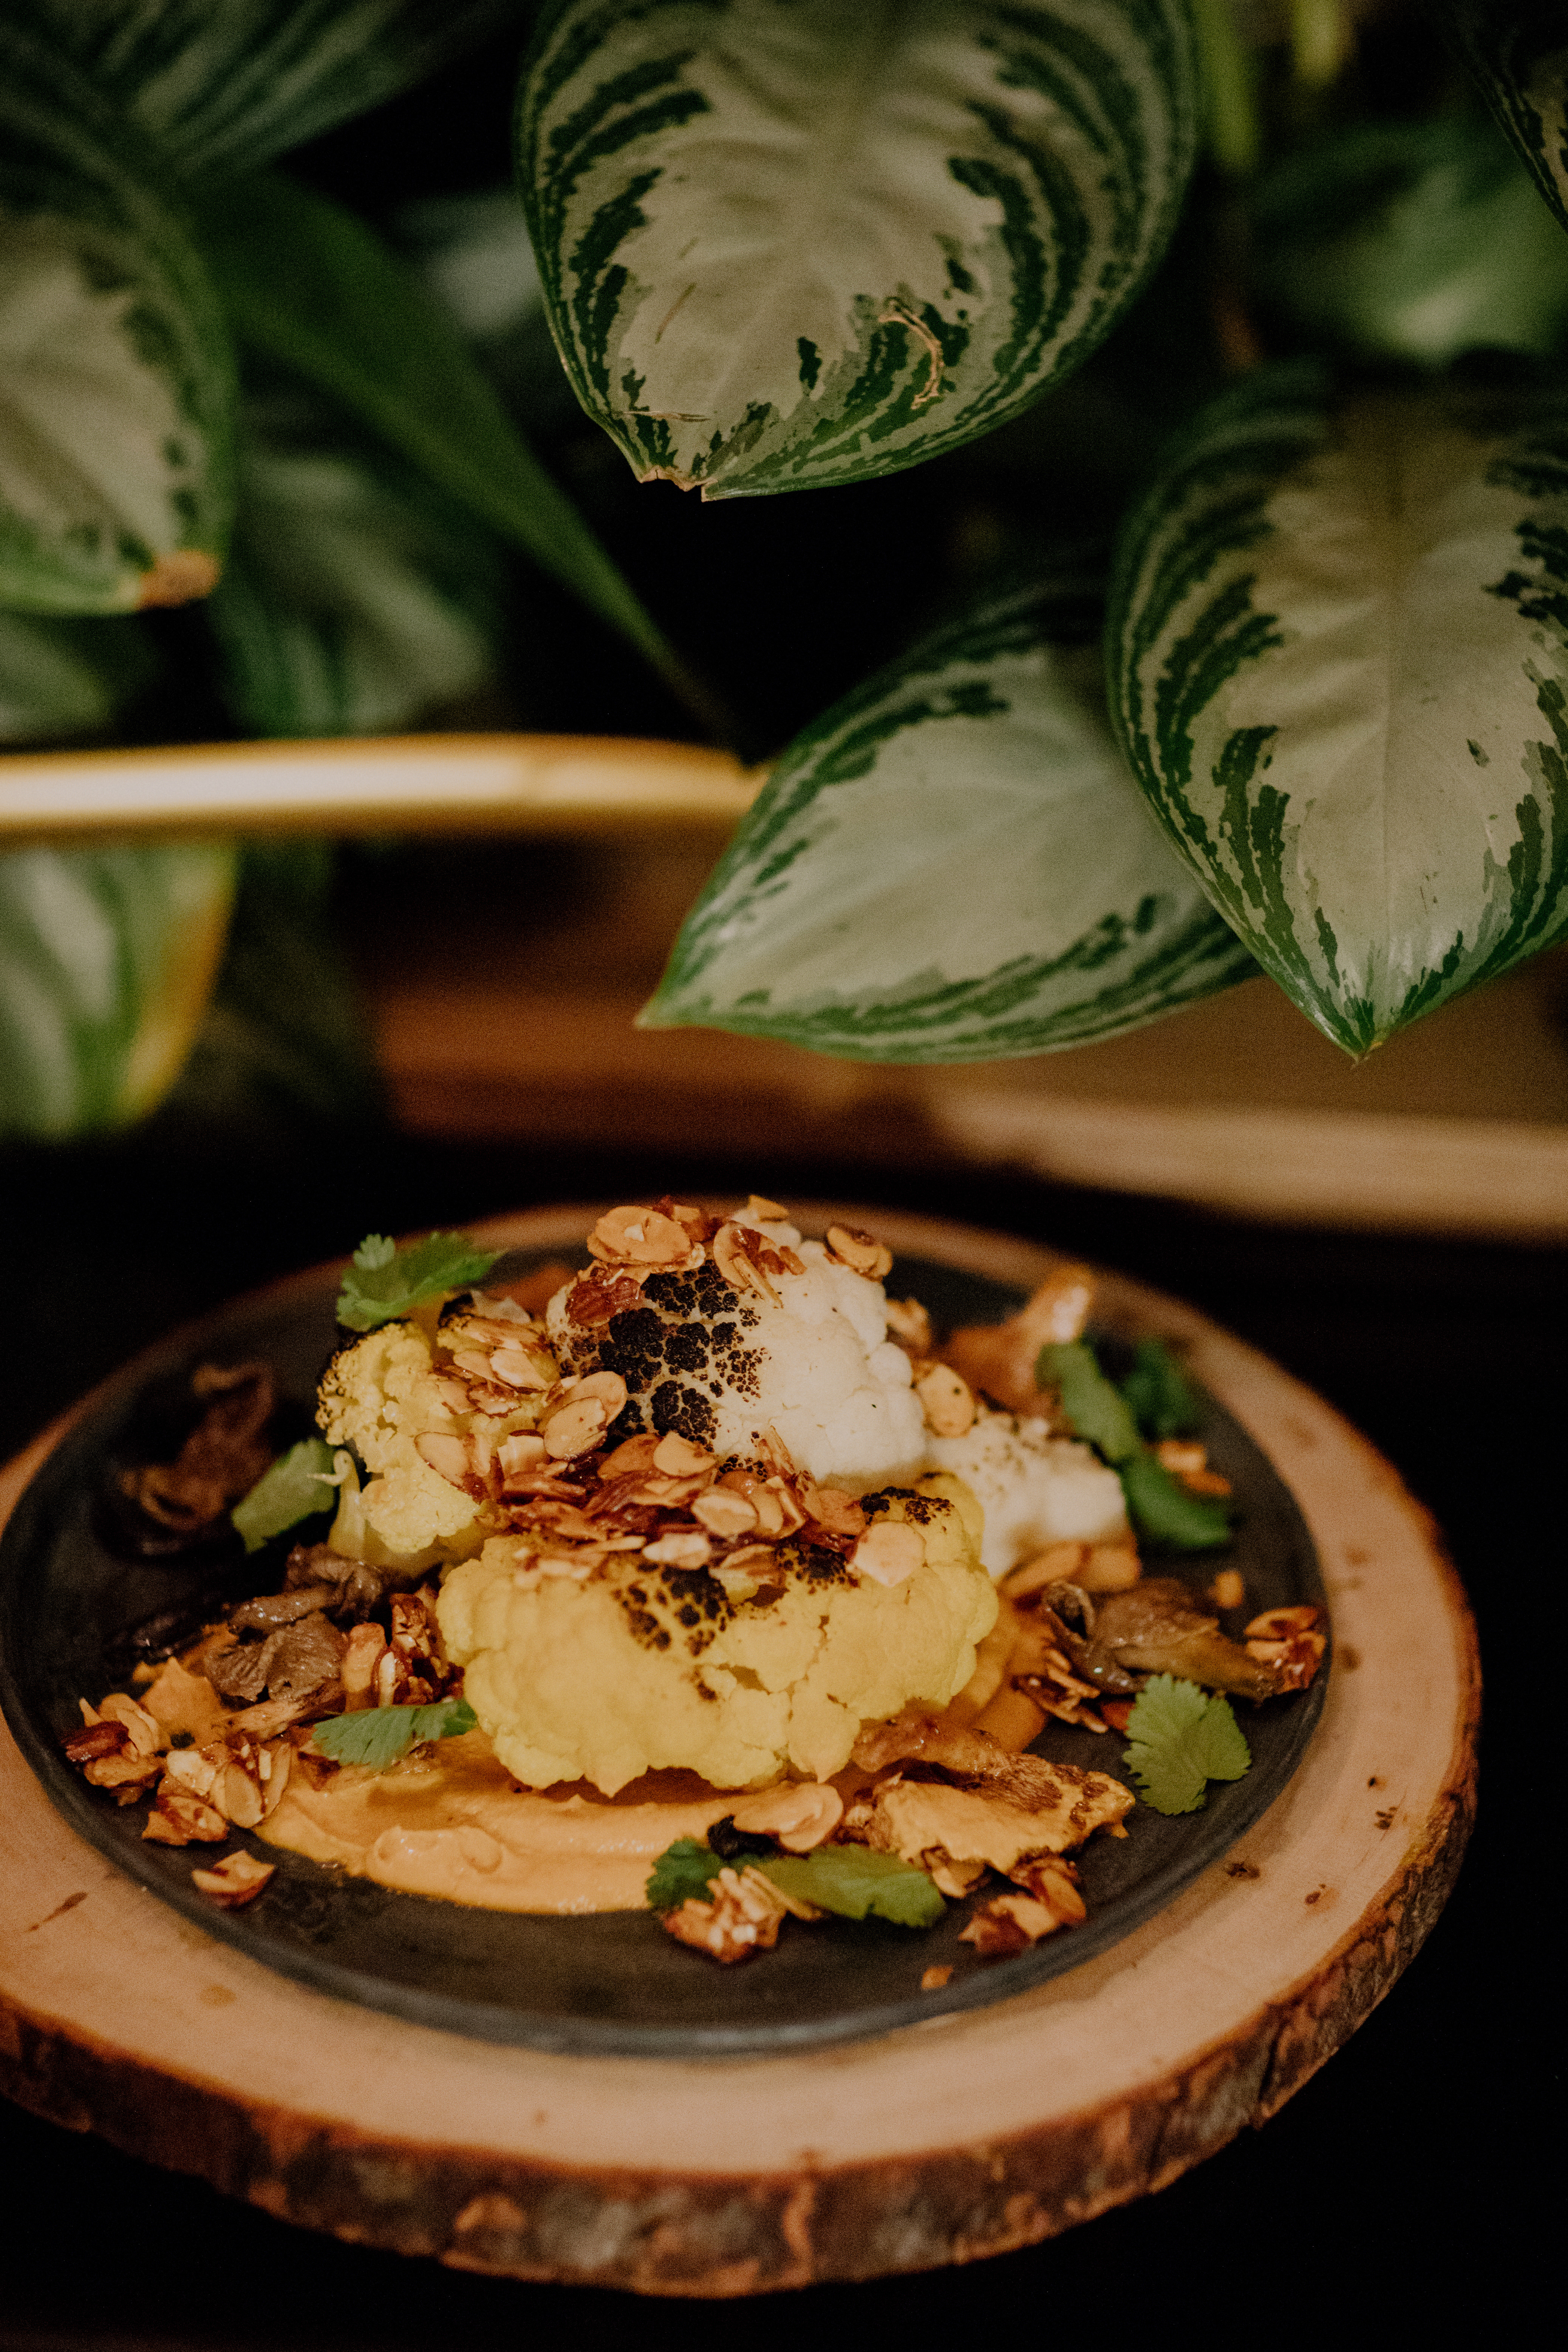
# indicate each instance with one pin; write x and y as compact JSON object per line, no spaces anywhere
{"x":1035,"y":1489}
{"x":721,"y":1367}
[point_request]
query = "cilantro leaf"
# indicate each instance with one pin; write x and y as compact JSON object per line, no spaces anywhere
{"x":1160,"y":1507}
{"x":378,"y":1735}
{"x":856,"y":1882}
{"x":294,"y":1488}
{"x":1162,"y":1401}
{"x":383,"y":1282}
{"x":683,"y":1870}
{"x":1097,"y":1410}
{"x":1182,"y":1739}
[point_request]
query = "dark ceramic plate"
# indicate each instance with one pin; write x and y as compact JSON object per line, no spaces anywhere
{"x":613,"y":1982}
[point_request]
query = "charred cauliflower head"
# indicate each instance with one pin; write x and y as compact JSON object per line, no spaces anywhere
{"x":644,"y":1664}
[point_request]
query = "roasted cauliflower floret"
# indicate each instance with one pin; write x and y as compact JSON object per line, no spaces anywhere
{"x":380,"y":1396}
{"x":607,"y":1676}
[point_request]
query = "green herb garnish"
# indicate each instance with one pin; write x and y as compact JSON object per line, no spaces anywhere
{"x":848,"y":1879}
{"x":1167,"y":1512}
{"x":1162,"y":1400}
{"x":1097,"y":1410}
{"x":858,"y":1882}
{"x":1181,"y":1738}
{"x":383,"y":1282}
{"x":378,"y":1735}
{"x":684,"y":1871}
{"x":294,"y":1488}
{"x":1159,"y":1506}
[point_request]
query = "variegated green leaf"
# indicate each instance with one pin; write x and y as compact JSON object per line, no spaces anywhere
{"x":60,"y":680}
{"x":1412,"y":240}
{"x":1518,"y":51}
{"x":954,"y":865}
{"x":225,"y":85}
{"x":107,"y":957}
{"x":115,"y":383}
{"x":311,"y":289}
{"x":357,"y":598}
{"x":1339,"y":647}
{"x":794,"y":242}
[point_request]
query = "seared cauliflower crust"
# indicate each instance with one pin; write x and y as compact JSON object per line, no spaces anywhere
{"x":642,"y":1668}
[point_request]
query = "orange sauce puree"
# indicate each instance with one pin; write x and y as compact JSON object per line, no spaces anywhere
{"x":451,"y":1822}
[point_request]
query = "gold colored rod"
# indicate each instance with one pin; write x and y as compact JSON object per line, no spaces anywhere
{"x":411,"y":783}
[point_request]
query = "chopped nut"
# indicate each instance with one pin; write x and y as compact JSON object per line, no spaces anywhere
{"x":1054,"y":1883}
{"x":801,"y":1814}
{"x":955,"y":1878}
{"x":237,"y":1878}
{"x":1108,"y":1567}
{"x":725,"y":1514}
{"x":1188,"y":1461}
{"x":95,"y":1740}
{"x":744,"y":1917}
{"x":910,"y":1325}
{"x":179,"y":1817}
{"x":861,"y":1253}
{"x":147,"y":1735}
{"x":1059,"y":1564}
{"x":642,"y":1237}
{"x":933,"y":1979}
{"x":838,"y":1513}
{"x":576,"y":1428}
{"x":460,"y":1460}
{"x":680,"y":1551}
{"x":763,"y":1212}
{"x":194,"y":1770}
{"x":1008,"y":1923}
{"x":1283,"y":1639}
{"x":127,"y":1769}
{"x":594,"y":1299}
{"x":888,"y":1552}
{"x":677,"y":1457}
{"x":947,"y":1401}
{"x":361,"y":1659}
{"x":238,"y":1793}
{"x":735,"y":1263}
{"x":1228,"y":1589}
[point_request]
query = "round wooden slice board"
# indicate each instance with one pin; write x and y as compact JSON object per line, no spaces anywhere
{"x":970,"y":2136}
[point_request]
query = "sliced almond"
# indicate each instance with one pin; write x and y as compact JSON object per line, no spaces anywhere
{"x":678,"y":1458}
{"x":724,"y":1515}
{"x":146,"y":1734}
{"x":888,"y":1552}
{"x":692,"y":1551}
{"x":643,"y":1237}
{"x":517,"y":1456}
{"x":458,"y":1460}
{"x":947,"y":1401}
{"x":237,"y":1878}
{"x":576,"y":1428}
{"x":839,"y":1514}
{"x":863,"y":1254}
{"x":517,"y":1367}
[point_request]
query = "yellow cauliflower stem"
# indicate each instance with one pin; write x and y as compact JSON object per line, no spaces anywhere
{"x":644,"y":1669}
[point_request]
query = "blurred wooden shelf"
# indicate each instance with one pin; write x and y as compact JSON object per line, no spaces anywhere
{"x":504,"y":1008}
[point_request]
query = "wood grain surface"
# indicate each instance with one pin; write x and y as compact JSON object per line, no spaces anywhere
{"x":967,"y":2136}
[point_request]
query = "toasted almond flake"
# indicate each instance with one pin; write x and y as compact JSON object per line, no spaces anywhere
{"x":839,"y":1514}
{"x":947,"y":1401}
{"x":692,"y":1551}
{"x":1059,"y":1563}
{"x":863,"y":1254}
{"x":1228,"y":1589}
{"x":516,"y":1368}
{"x":456,"y":1459}
{"x":910,"y":1325}
{"x":1008,"y":1923}
{"x":518,"y":1454}
{"x":237,"y":1878}
{"x":735,"y":1263}
{"x":576,"y":1429}
{"x":888,"y":1552}
{"x":723,"y":1514}
{"x":1108,"y":1567}
{"x":933,"y":1979}
{"x":643,"y":1237}
{"x":678,"y":1458}
{"x":146,"y":1734}
{"x":765,"y":1212}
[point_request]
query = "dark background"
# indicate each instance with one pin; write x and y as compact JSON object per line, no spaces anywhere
{"x":1398,"y":2185}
